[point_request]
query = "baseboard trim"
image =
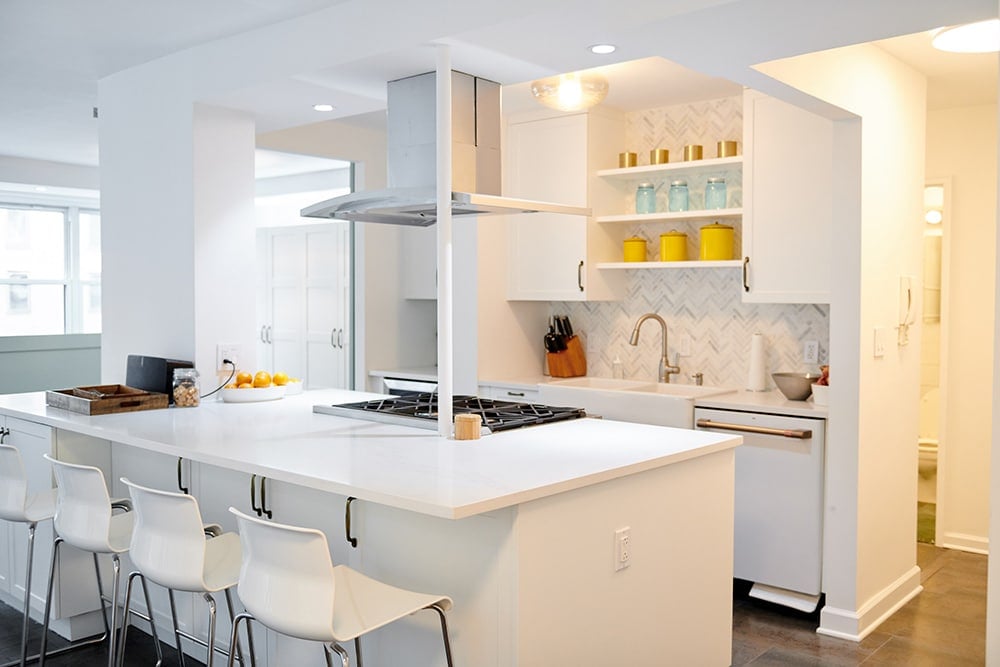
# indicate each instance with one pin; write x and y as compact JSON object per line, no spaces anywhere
{"x":856,"y":625}
{"x":965,"y":542}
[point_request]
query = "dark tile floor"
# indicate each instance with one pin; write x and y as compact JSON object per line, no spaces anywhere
{"x":944,"y":625}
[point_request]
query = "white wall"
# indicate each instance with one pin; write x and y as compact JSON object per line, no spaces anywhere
{"x":871,"y":452}
{"x":961,"y":144}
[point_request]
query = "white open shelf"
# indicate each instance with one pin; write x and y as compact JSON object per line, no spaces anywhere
{"x":695,"y":264}
{"x":669,"y":216}
{"x":713,"y":164}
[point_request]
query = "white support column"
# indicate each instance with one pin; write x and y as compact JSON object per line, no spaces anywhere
{"x":444,"y":244}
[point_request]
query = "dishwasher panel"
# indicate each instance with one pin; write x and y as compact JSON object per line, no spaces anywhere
{"x":779,"y":497}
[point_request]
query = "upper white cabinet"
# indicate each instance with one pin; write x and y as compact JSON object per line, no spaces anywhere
{"x":554,"y":257}
{"x":788,"y":201}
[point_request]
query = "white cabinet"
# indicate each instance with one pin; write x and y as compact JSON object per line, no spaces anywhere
{"x":788,"y":175}
{"x":304,"y":303}
{"x":503,"y":391}
{"x":554,"y":257}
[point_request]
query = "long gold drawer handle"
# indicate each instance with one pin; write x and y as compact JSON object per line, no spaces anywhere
{"x":798,"y":433}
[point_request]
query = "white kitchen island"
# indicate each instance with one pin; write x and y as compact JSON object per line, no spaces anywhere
{"x":518,"y":527}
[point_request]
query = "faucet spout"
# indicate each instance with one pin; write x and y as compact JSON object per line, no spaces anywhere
{"x":665,"y":369}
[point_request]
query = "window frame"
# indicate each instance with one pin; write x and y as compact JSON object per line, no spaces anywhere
{"x":72,"y":282}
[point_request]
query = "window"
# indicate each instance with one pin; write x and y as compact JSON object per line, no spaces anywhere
{"x":50,"y":269}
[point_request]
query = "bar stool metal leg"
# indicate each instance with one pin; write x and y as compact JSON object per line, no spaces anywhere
{"x":177,"y":630}
{"x":444,"y":633}
{"x":42,"y":654}
{"x":239,"y":648}
{"x":127,"y":611}
{"x":210,"y":600}
{"x":27,"y":593}
{"x":339,"y":650}
{"x":234,"y":637}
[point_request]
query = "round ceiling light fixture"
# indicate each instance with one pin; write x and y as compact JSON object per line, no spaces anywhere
{"x":323,"y":107}
{"x":603,"y":49}
{"x":981,"y":37}
{"x":570,"y":92}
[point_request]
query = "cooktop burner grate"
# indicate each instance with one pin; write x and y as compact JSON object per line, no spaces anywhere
{"x":422,"y":410}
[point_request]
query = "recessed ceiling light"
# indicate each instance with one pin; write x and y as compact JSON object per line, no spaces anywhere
{"x":981,"y":37}
{"x":603,"y":49}
{"x":323,"y":107}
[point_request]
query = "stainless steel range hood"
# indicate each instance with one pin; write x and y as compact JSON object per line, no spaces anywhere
{"x":411,"y":122}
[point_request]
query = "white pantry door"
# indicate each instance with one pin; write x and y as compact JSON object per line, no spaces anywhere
{"x":305,"y":303}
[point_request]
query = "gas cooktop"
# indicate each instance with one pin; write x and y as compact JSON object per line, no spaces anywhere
{"x":421,"y":410}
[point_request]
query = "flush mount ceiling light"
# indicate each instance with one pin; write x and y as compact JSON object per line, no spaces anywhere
{"x":323,"y":107}
{"x":603,"y":49}
{"x":570,"y":92}
{"x":981,"y":37}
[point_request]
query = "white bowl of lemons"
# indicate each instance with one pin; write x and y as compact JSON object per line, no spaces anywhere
{"x":262,"y":386}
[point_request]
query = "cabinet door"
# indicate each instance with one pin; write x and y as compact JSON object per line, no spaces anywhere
{"x":547,"y":161}
{"x":788,"y":197}
{"x":32,"y":441}
{"x":306,"y":324}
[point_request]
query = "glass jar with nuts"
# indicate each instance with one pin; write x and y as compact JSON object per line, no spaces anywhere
{"x":187,"y":393}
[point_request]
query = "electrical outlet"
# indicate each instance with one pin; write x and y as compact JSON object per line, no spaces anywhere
{"x":810,"y":352}
{"x":229,"y":351}
{"x":623,"y":548}
{"x":684,"y":349}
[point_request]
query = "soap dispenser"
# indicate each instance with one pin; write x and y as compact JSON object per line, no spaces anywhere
{"x":617,"y":368}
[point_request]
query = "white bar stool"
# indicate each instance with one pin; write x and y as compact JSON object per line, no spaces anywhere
{"x":289,"y":583}
{"x":85,"y":519}
{"x":173,"y":548}
{"x":19,"y":506}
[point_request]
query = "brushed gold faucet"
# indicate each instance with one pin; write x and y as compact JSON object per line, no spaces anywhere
{"x":665,"y":370}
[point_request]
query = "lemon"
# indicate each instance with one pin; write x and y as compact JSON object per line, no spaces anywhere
{"x":262,"y":379}
{"x":280,"y":379}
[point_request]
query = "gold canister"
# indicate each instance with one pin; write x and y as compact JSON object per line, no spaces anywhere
{"x":635,"y":249}
{"x":716,"y":242}
{"x":628,"y":159}
{"x":692,"y":152}
{"x":673,"y":246}
{"x":725,"y":149}
{"x":659,"y":156}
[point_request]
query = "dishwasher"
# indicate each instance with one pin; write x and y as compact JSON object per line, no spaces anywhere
{"x":778,"y":541}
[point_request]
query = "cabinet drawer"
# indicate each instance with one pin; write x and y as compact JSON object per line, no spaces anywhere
{"x":519,"y":393}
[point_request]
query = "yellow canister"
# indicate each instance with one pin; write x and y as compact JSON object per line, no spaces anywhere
{"x":635,"y":249}
{"x":716,"y":242}
{"x":673,"y":246}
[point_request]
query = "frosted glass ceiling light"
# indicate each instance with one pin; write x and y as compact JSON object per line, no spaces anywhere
{"x":981,"y":37}
{"x":570,"y":92}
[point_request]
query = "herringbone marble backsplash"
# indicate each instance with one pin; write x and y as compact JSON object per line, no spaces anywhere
{"x":703,"y":304}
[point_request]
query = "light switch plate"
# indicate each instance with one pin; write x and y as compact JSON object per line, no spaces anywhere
{"x":879,"y":343}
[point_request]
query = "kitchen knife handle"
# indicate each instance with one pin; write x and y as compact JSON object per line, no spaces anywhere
{"x":253,"y":496}
{"x":353,"y":541}
{"x":579,"y":275}
{"x":746,"y":274}
{"x":180,"y":480}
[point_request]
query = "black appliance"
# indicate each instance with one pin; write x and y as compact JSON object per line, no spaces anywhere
{"x":153,"y":373}
{"x":421,"y":410}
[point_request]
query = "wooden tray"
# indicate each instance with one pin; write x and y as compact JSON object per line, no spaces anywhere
{"x":105,"y":399}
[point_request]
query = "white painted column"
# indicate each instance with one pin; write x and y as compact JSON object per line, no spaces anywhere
{"x":444,"y":244}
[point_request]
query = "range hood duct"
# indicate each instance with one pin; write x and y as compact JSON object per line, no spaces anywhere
{"x":411,"y":198}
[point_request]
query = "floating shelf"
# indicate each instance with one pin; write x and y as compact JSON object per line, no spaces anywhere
{"x":705,"y":214}
{"x":713,"y":164}
{"x":696,"y":264}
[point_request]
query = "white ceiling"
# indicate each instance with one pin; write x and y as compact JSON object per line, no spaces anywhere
{"x":54,"y":52}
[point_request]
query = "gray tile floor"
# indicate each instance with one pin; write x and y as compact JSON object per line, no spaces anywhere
{"x":944,"y":625}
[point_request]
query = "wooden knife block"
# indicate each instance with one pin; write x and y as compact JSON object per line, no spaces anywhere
{"x":571,"y":362}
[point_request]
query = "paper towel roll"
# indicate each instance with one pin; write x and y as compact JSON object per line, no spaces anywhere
{"x":757,"y":376}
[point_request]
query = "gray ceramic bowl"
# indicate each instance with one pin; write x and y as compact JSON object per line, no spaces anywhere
{"x":795,"y":386}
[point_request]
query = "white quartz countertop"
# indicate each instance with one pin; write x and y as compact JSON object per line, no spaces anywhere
{"x":771,"y":402}
{"x":403,"y":467}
